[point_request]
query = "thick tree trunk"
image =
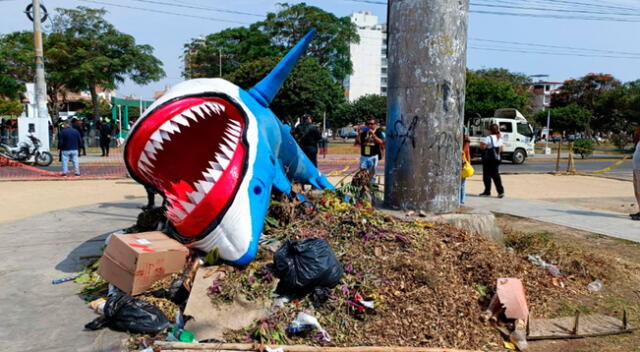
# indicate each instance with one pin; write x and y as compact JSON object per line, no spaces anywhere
{"x":427,"y":59}
{"x":94,"y":101}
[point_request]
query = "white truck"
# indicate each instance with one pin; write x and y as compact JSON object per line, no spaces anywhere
{"x":518,"y":134}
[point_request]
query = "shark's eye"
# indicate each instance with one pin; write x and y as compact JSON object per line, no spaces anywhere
{"x":192,"y":150}
{"x":257,"y":189}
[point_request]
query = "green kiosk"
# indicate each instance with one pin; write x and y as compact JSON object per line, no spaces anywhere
{"x":120,"y":112}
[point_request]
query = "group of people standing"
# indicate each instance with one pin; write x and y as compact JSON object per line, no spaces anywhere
{"x":370,"y":139}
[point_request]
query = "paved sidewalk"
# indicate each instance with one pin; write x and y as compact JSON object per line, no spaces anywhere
{"x":606,"y":223}
{"x":39,"y":316}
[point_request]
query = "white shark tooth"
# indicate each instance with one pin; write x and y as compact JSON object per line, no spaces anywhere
{"x":235,"y":122}
{"x":150,"y":149}
{"x":222,"y":160}
{"x":204,"y":186}
{"x":143,"y":168}
{"x":156,"y":136}
{"x":188,"y":113}
{"x":158,"y":145}
{"x":181,"y":120}
{"x":144,"y":158}
{"x":165,"y":135}
{"x":215,"y":174}
{"x":179,"y":213}
{"x":231,"y":142}
{"x":227,"y":151}
{"x":216,"y":166}
{"x":195,"y":197}
{"x":214,"y":107}
{"x":232,"y":132}
{"x":206,"y":107}
{"x":234,"y":128}
{"x":187,"y":206}
{"x":207,"y":176}
{"x":220,"y":106}
{"x":201,"y":111}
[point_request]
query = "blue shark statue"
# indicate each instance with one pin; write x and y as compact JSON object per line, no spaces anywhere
{"x":215,"y":151}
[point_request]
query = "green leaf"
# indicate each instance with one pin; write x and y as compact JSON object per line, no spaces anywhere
{"x":83,"y":278}
{"x":212,"y":257}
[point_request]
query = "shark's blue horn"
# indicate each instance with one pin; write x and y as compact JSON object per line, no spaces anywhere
{"x":268,"y":87}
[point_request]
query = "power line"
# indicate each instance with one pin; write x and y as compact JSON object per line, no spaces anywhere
{"x":554,"y":10}
{"x":557,"y":47}
{"x":567,"y":5}
{"x":522,"y":14}
{"x":524,"y":51}
{"x":187,"y":6}
{"x":163,"y":12}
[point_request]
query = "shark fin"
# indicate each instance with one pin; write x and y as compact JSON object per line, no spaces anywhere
{"x":280,"y":180}
{"x":268,"y":87}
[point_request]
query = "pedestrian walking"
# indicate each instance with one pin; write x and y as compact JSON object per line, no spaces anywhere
{"x":636,"y":172}
{"x":308,"y":136}
{"x":371,"y":141}
{"x":69,"y":143}
{"x":492,"y":147}
{"x":466,"y":158}
{"x":105,"y":137}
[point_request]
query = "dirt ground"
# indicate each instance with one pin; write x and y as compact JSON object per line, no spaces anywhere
{"x":622,"y":291}
{"x":595,"y":193}
{"x":23,"y":199}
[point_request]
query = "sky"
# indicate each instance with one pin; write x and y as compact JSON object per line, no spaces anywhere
{"x":167,"y":33}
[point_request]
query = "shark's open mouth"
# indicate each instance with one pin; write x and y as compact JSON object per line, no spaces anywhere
{"x":191,"y":149}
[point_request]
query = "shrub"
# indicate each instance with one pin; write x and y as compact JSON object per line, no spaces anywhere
{"x":584,"y":147}
{"x":620,"y":140}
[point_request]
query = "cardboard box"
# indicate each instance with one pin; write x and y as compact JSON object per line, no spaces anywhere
{"x":133,"y":262}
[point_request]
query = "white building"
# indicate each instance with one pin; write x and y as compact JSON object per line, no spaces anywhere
{"x":542,"y":92}
{"x":369,"y":58}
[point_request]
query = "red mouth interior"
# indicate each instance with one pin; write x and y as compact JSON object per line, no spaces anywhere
{"x":192,"y":151}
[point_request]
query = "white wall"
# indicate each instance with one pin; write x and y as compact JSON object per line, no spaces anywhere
{"x":366,"y":57}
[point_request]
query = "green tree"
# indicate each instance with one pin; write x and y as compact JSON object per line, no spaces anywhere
{"x":519,"y":81}
{"x":570,"y":118}
{"x":102,"y":56}
{"x":489,"y":90}
{"x":17,"y":56}
{"x":371,"y":106}
{"x":308,"y":89}
{"x":588,"y":92}
{"x":10,"y":107}
{"x":273,"y":37}
{"x":331,"y":44}
{"x":236,"y":45}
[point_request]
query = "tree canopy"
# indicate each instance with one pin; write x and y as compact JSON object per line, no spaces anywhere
{"x":102,"y":56}
{"x":308,"y":89}
{"x":488,"y":90}
{"x":273,"y":37}
{"x":570,"y":118}
{"x":371,"y":106}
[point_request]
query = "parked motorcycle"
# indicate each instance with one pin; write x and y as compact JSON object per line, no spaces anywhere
{"x":25,"y":152}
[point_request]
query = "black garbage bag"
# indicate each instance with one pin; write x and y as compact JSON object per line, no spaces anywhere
{"x":125,"y":313}
{"x":304,"y":265}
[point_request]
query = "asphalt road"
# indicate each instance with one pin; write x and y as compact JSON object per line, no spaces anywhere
{"x":624,"y":171}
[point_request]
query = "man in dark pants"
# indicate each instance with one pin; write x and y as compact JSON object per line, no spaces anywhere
{"x":308,"y":137}
{"x":77,"y":125}
{"x":105,"y":138}
{"x":69,"y":143}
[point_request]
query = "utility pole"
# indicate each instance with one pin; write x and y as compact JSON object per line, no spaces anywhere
{"x":427,"y":63}
{"x":220,"y":61}
{"x":40,"y":84}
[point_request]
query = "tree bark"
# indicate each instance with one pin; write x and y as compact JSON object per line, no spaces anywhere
{"x":94,"y":101}
{"x":427,"y":61}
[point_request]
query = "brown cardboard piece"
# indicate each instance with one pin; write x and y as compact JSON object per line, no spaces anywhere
{"x":133,"y":262}
{"x":210,"y":321}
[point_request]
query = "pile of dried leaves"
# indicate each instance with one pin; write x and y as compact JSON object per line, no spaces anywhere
{"x":429,"y":281}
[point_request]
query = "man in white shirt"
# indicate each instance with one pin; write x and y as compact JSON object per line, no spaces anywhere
{"x":636,"y":172}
